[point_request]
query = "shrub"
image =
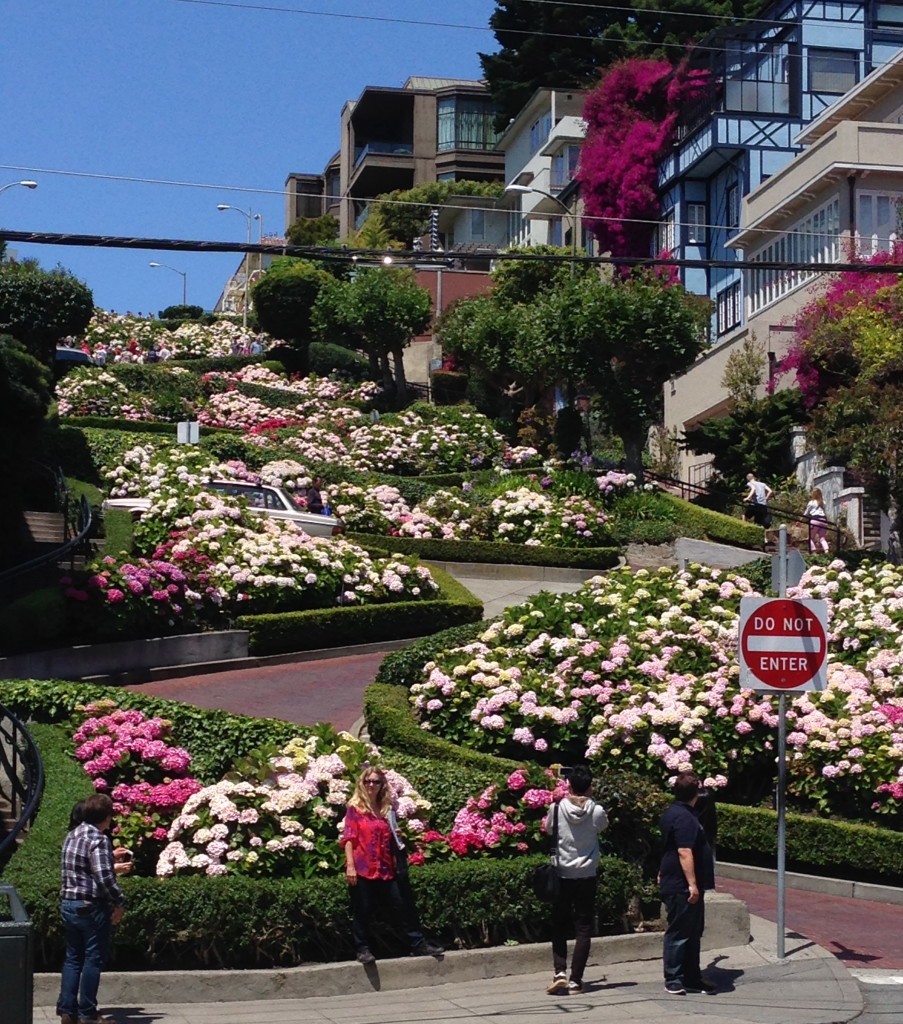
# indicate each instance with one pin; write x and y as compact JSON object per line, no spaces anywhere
{"x":815,"y":845}
{"x":715,"y":526}
{"x":402,"y":668}
{"x":495,"y":553}
{"x":449,"y":387}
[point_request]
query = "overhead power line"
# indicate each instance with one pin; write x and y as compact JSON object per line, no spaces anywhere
{"x":409,"y":256}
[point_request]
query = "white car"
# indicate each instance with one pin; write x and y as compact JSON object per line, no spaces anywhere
{"x":261,"y":498}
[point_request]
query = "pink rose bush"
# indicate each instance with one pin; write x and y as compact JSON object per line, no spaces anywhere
{"x":640,"y":669}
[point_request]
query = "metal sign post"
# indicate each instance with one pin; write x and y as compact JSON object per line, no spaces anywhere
{"x":782,"y":647}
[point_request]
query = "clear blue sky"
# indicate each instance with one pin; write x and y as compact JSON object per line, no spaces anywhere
{"x":226,"y":96}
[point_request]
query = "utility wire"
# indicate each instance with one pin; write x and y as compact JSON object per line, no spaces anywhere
{"x":439,"y":258}
{"x":837,"y":26}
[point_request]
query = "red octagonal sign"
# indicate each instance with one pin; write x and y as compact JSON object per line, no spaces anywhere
{"x":783,"y":644}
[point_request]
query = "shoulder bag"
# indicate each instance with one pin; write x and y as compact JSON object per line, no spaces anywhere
{"x":544,"y":880}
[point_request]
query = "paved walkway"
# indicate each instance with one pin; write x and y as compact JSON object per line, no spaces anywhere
{"x":808,"y":987}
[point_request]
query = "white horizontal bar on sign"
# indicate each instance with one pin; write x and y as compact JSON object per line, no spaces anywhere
{"x":780,"y":644}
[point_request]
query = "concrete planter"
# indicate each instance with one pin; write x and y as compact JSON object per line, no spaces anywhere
{"x":112,"y":660}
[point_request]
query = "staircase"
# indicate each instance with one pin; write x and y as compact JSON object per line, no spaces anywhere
{"x":871,"y":526}
{"x":44,"y":529}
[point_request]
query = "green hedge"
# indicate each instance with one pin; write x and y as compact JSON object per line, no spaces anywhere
{"x":495,"y":553}
{"x":401,"y":668}
{"x":216,"y":739}
{"x":715,"y":526}
{"x":820,"y":846}
{"x":282,"y":632}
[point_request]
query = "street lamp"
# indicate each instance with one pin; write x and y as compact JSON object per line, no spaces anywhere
{"x":524,"y":189}
{"x":184,"y":274}
{"x":24,"y":184}
{"x":249,"y":216}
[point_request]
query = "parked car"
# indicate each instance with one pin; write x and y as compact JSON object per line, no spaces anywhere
{"x":64,"y":359}
{"x":261,"y":499}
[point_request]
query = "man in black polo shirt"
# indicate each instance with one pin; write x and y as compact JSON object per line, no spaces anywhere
{"x":687,"y":870}
{"x":91,"y":904}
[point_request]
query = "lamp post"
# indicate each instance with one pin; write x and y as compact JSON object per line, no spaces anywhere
{"x":184,"y":274}
{"x":249,"y":216}
{"x":24,"y":184}
{"x":524,"y":189}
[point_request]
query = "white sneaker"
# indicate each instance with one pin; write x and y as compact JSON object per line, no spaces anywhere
{"x":559,"y":985}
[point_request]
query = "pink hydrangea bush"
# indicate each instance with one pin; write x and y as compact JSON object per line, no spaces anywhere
{"x":131,"y":757}
{"x":640,"y":669}
{"x":281,"y":817}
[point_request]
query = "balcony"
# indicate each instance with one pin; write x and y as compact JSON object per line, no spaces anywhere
{"x":382,"y":149}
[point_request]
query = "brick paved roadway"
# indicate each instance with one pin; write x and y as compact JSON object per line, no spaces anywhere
{"x":304,"y":692}
{"x":859,"y":933}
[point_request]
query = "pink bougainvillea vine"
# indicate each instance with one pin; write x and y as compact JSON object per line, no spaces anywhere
{"x":630,"y":120}
{"x":843,"y":293}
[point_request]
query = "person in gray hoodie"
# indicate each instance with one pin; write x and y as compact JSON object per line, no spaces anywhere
{"x":576,"y":857}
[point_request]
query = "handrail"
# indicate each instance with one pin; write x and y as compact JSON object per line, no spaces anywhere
{"x":71,"y":546}
{"x":20,"y":763}
{"x":686,"y":487}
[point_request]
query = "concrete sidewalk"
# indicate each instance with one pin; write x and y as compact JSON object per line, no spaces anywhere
{"x":808,"y":987}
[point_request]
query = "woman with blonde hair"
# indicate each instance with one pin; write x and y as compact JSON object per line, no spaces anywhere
{"x":818,"y":521}
{"x":374,"y":851}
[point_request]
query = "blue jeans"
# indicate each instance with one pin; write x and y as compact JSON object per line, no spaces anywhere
{"x":680,"y":949}
{"x":88,"y":936}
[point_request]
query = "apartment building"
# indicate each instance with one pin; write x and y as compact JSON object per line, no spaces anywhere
{"x":430,"y":129}
{"x":839,"y":196}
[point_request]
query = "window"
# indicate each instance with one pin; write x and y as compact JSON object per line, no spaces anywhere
{"x":465,"y":122}
{"x":667,"y":241}
{"x":729,"y":308}
{"x":696,"y":224}
{"x":833,"y":71}
{"x":477,"y":225}
{"x":732,"y":206}
{"x":815,"y":239}
{"x":878,"y":216}
{"x":539,"y":132}
{"x":889,"y":17}
{"x":564,"y":166}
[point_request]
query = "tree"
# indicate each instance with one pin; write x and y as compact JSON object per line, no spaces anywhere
{"x":744,"y":372}
{"x":41,"y":307}
{"x":283,"y":299}
{"x":519,"y":280}
{"x":624,"y":339}
{"x":313,"y":230}
{"x":754,"y":436}
{"x":24,"y":400}
{"x":631,"y":119}
{"x":379,"y":310}
{"x":188,"y":312}
{"x":565,"y":46}
{"x":406,"y":212}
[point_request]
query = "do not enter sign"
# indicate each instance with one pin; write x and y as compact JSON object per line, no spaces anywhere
{"x":783,"y":644}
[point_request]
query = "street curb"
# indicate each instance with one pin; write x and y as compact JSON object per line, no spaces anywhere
{"x":727,"y":925}
{"x":866,"y":891}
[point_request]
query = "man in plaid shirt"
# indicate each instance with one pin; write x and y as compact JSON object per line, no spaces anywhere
{"x":92,"y":903}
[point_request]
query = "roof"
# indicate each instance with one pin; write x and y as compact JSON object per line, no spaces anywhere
{"x":425,"y":84}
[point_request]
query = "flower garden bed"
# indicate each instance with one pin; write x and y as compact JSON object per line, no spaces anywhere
{"x":234,"y":833}
{"x":640,"y":669}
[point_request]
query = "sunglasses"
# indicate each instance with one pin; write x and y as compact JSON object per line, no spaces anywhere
{"x":373,"y":782}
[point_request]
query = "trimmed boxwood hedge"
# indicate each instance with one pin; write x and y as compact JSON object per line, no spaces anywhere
{"x":715,"y":526}
{"x":819,"y":846}
{"x":282,"y":632}
{"x":492,"y":552}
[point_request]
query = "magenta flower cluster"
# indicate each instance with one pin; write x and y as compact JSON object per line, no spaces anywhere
{"x":128,"y":755}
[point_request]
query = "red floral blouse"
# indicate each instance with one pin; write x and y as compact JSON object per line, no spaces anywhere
{"x":371,"y":844}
